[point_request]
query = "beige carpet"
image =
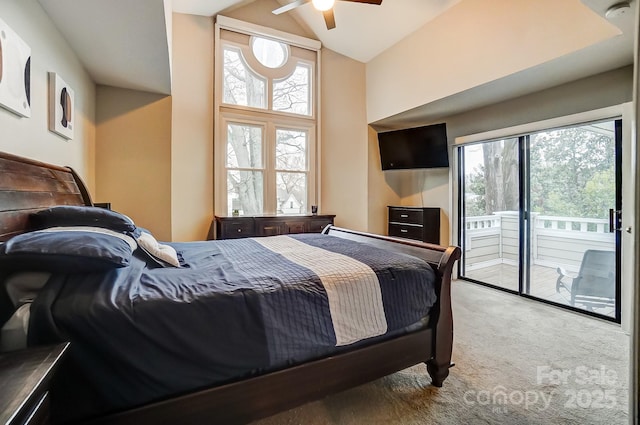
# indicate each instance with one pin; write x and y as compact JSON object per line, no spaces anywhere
{"x":517,"y":362}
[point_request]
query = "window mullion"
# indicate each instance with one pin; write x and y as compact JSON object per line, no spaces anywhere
{"x":270,"y":176}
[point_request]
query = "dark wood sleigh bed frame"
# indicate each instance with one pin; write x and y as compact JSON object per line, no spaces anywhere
{"x":27,"y":186}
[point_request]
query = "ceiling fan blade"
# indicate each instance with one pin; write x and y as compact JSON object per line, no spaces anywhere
{"x":290,"y":6}
{"x":365,"y":1}
{"x":329,"y":19}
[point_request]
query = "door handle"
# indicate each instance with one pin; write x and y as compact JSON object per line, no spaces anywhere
{"x":615,"y":221}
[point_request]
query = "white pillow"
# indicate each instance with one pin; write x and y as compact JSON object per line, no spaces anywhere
{"x":160,"y":251}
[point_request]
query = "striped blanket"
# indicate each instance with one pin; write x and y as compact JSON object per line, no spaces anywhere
{"x":352,"y":287}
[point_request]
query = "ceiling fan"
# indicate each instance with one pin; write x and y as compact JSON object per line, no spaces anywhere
{"x":325,"y":6}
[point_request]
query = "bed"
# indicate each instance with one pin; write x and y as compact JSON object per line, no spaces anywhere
{"x":290,"y":368}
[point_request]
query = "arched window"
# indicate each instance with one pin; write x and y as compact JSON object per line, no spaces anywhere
{"x":265,"y":119}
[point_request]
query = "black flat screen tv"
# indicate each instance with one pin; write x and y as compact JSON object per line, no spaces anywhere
{"x":419,"y":147}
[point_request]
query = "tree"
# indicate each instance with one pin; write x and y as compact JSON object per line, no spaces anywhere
{"x":493,"y":185}
{"x":501,"y":175}
{"x":242,"y":86}
{"x":563,"y":163}
{"x":572,"y":173}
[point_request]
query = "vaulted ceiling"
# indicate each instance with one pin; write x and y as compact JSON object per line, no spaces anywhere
{"x":127,"y":43}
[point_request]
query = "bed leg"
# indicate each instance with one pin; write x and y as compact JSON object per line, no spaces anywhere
{"x":438,"y":365}
{"x":438,"y":372}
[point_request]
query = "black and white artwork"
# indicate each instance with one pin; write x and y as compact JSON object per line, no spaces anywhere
{"x":15,"y":72}
{"x":61,"y":106}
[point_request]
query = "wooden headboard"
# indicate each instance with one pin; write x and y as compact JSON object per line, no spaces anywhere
{"x":27,"y":186}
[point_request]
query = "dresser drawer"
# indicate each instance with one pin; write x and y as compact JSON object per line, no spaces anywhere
{"x":317,"y":225}
{"x":405,"y":231}
{"x":232,"y":229}
{"x":295,"y":227}
{"x":401,"y":215}
{"x":265,"y":227}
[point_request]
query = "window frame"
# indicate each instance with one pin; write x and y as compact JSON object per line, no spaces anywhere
{"x":270,"y":120}
{"x":268,"y":169}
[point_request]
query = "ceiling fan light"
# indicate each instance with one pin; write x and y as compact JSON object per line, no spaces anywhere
{"x":323,"y":5}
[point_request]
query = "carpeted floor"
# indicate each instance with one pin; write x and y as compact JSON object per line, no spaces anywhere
{"x":517,"y":362}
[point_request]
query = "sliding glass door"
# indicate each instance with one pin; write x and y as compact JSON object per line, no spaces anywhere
{"x":491,"y":210}
{"x":574,"y":213}
{"x":540,"y":215}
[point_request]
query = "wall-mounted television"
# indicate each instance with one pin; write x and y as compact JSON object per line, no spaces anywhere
{"x":419,"y":147}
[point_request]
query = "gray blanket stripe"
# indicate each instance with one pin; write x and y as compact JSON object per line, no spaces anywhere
{"x":353,"y":290}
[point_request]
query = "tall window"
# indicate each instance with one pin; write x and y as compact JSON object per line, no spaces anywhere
{"x":266,"y":121}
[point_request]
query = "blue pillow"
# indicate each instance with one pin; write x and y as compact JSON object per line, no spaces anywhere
{"x":67,"y":250}
{"x":81,"y":216}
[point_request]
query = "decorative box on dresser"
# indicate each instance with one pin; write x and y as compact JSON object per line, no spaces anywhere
{"x":269,"y":225}
{"x":419,"y":223}
{"x":24,"y":384}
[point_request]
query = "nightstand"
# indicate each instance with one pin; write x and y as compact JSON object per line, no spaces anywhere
{"x":24,"y":384}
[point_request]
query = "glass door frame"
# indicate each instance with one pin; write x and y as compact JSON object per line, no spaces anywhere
{"x":524,"y":272}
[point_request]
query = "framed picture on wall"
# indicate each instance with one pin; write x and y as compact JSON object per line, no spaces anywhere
{"x":15,"y":72}
{"x":61,"y":106}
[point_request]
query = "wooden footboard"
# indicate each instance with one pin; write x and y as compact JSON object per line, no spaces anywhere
{"x":442,"y":260}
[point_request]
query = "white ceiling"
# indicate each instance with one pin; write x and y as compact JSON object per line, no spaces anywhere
{"x":362,"y":30}
{"x":126,"y":43}
{"x":122,"y":43}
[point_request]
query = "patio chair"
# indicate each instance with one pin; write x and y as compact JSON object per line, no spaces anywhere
{"x":595,"y":283}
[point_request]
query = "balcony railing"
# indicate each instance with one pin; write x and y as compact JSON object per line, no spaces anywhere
{"x":555,"y":241}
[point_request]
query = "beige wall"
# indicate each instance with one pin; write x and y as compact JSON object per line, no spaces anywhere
{"x":154,"y":154}
{"x":192,"y":128}
{"x":466,"y":47}
{"x":133,"y":156}
{"x":31,"y":137}
{"x":344,"y":135}
{"x":381,"y":192}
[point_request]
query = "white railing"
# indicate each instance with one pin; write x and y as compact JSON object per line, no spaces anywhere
{"x":482,"y":222}
{"x":577,"y":224}
{"x":556,"y":241}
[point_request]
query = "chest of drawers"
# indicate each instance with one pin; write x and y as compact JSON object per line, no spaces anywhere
{"x":418,"y":223}
{"x":248,"y":227}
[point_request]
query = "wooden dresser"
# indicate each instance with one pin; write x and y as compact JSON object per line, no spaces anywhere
{"x":269,"y":225}
{"x":418,"y":223}
{"x":24,"y":384}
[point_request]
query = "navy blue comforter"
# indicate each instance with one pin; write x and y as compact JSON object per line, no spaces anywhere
{"x":235,"y":309}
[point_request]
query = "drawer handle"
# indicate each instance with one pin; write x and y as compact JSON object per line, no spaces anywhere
{"x":404,"y":215}
{"x":404,"y":230}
